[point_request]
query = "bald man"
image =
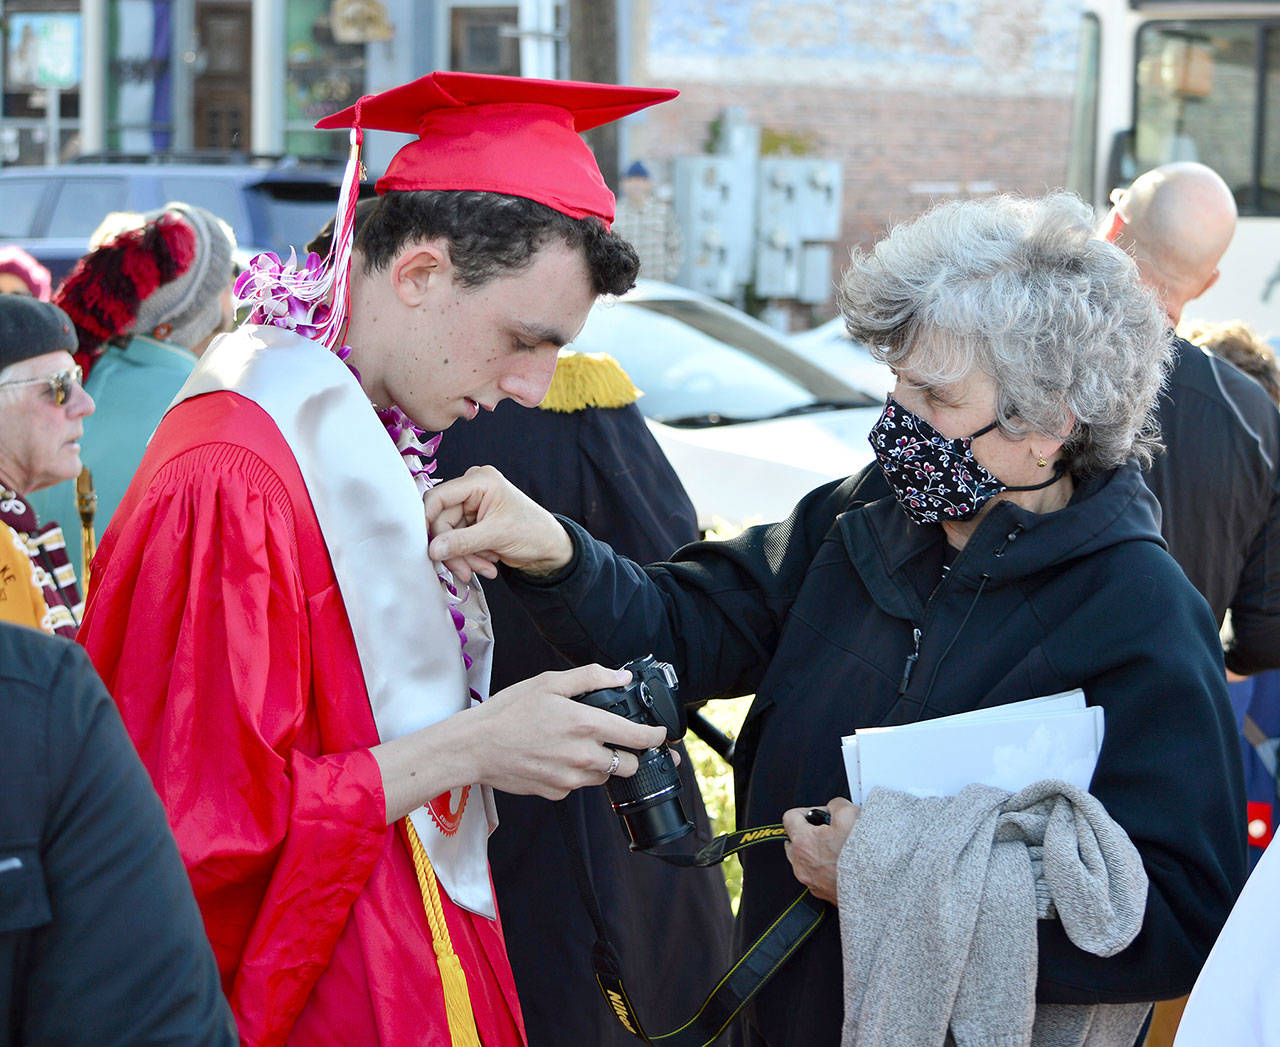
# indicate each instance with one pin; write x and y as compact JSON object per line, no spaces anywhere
{"x":1176,"y":221}
{"x":1218,"y":481}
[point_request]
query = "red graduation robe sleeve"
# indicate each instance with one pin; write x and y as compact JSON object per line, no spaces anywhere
{"x":217,"y":625}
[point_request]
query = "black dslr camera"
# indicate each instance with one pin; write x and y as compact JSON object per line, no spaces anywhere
{"x":649,"y":801}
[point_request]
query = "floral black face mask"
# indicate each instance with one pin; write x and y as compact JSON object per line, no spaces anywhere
{"x":935,"y":478}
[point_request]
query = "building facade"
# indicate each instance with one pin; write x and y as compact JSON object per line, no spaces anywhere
{"x":919,"y":100}
{"x":916,"y":100}
{"x":246,"y":76}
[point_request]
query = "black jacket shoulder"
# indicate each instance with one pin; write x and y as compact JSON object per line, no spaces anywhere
{"x":1218,"y":482}
{"x":100,"y":938}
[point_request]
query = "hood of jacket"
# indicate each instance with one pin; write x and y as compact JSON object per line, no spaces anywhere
{"x":1009,"y":544}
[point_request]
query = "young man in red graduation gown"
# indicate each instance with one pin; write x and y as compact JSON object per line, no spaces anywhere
{"x":308,"y":692}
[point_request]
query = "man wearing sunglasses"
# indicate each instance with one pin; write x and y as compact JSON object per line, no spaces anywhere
{"x":42,"y":412}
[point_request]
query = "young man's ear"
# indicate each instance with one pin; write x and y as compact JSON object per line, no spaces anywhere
{"x":417,"y":266}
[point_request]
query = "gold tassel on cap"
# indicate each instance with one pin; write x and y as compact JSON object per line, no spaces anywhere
{"x":585,"y":380}
{"x":457,"y":1000}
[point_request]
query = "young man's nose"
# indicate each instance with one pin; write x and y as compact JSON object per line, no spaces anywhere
{"x":528,"y":384}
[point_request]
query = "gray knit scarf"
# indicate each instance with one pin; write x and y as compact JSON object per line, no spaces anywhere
{"x":939,"y":899}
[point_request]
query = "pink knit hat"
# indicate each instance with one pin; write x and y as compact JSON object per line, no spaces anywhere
{"x":16,"y":262}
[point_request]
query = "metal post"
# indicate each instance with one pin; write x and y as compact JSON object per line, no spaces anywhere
{"x":537,"y":38}
{"x":52,"y":117}
{"x":593,"y":55}
{"x":185,"y":59}
{"x":266,"y":133}
{"x":93,"y":76}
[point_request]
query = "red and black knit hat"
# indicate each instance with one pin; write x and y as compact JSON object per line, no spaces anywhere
{"x":103,"y":292}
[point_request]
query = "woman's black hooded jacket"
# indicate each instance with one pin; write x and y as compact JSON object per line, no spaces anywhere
{"x":842,"y":617}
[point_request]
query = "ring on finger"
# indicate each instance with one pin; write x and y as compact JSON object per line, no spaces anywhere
{"x":613,"y":764}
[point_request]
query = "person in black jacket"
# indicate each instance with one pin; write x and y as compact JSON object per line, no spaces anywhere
{"x":1003,"y":547}
{"x":101,"y":941}
{"x":586,"y":452}
{"x":1218,"y":480}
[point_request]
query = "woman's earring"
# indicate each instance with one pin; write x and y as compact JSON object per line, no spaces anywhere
{"x":1041,"y":462}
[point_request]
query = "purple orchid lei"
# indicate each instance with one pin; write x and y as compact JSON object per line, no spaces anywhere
{"x":282,"y":294}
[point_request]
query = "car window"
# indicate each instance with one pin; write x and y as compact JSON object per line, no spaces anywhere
{"x":685,"y":373}
{"x":83,"y":203}
{"x":220,"y":196}
{"x":20,"y":199}
{"x":291,"y":213}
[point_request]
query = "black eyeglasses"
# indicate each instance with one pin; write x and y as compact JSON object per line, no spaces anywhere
{"x":60,"y":384}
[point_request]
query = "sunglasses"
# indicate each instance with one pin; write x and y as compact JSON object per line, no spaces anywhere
{"x":61,"y":385}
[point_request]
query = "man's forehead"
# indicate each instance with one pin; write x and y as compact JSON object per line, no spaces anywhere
{"x":38,"y":366}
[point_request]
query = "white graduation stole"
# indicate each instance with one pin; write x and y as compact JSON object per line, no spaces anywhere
{"x":372,"y":519}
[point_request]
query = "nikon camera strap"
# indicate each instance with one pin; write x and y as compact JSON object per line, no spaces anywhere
{"x":740,"y":983}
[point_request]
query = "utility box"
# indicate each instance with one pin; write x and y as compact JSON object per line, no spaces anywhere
{"x":768,"y":222}
{"x":797,"y":218}
{"x":715,"y":205}
{"x":816,"y":283}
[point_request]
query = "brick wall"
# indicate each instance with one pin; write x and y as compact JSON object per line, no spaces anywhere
{"x":920,"y":100}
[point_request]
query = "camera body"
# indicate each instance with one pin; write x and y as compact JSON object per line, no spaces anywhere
{"x":649,"y":801}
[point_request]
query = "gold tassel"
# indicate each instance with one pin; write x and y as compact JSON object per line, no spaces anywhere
{"x":457,"y":1000}
{"x":588,"y":380}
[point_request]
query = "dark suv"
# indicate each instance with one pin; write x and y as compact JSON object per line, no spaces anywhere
{"x":271,"y":204}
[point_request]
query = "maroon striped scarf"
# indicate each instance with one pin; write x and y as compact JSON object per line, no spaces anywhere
{"x":51,"y":569}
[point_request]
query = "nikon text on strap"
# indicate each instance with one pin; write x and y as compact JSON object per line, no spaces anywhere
{"x":740,"y":983}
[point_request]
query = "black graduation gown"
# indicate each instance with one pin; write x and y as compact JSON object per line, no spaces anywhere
{"x":672,"y":927}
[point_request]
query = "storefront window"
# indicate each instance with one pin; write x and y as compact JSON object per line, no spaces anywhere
{"x":140,"y":76}
{"x":322,"y":75}
{"x":42,"y":73}
{"x":484,"y":40}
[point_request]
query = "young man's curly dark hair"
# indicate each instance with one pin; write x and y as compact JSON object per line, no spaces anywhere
{"x":490,"y":234}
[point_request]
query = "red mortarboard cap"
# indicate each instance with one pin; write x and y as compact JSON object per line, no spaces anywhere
{"x":500,"y":134}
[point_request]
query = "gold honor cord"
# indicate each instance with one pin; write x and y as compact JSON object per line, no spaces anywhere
{"x":740,"y":983}
{"x":457,"y":1000}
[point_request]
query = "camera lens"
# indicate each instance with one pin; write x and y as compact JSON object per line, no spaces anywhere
{"x":649,"y":801}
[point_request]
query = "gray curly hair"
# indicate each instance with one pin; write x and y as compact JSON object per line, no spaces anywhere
{"x":1020,"y":290}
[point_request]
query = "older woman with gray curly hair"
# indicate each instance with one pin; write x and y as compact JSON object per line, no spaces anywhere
{"x":1003,"y":546}
{"x":1015,"y":291}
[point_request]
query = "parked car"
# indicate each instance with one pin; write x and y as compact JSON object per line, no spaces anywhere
{"x":749,"y":424}
{"x":830,"y":346}
{"x":271,"y":204}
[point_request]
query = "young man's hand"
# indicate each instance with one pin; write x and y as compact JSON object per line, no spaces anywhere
{"x":537,"y":741}
{"x":529,"y":738}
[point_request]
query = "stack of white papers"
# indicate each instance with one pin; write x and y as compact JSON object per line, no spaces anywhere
{"x":1007,"y":746}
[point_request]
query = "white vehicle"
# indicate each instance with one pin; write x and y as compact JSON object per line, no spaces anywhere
{"x":749,"y":425}
{"x":829,"y":345}
{"x":1176,"y":80}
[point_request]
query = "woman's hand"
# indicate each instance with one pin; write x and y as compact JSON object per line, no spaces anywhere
{"x":481,"y":518}
{"x":814,"y":849}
